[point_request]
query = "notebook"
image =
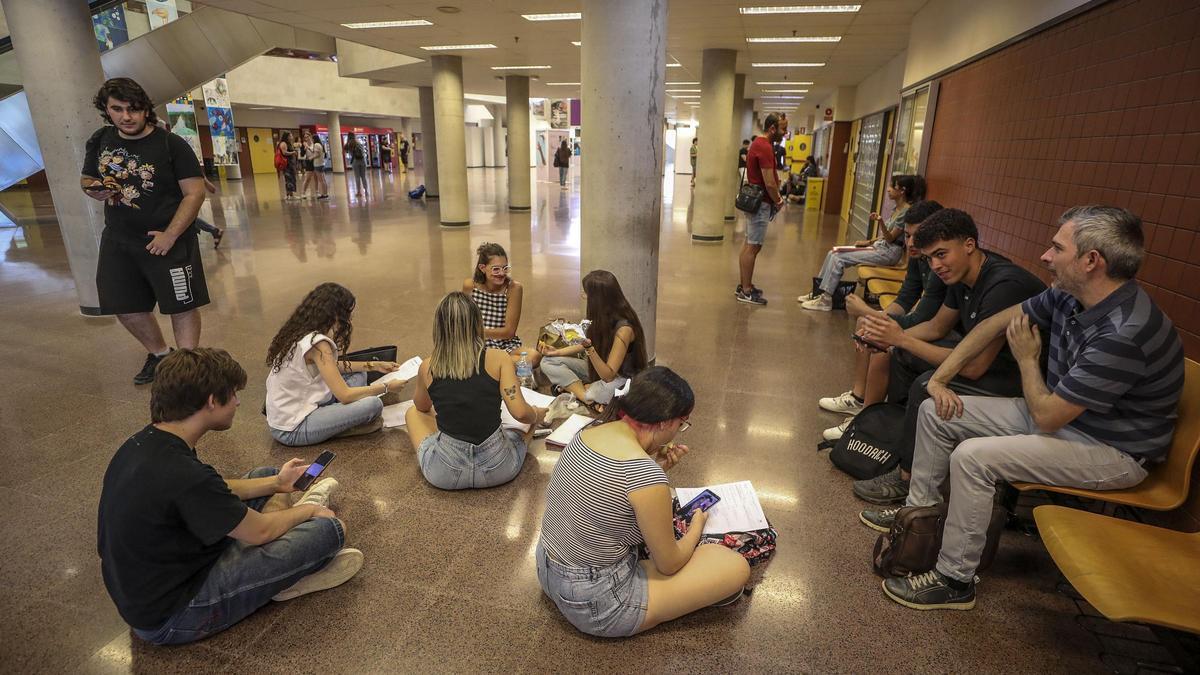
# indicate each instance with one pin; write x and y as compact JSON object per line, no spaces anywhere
{"x":567,"y":431}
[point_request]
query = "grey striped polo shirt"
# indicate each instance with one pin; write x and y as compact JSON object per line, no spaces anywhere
{"x":1121,"y":360}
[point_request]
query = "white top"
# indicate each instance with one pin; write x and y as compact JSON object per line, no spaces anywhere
{"x":317,"y":153}
{"x":297,"y":388}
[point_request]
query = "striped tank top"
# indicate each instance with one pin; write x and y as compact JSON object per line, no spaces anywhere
{"x":589,"y":521}
{"x":494,"y":308}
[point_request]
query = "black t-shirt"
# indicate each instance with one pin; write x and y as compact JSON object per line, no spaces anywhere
{"x":1001,"y":284}
{"x":780,"y":156}
{"x":742,"y":156}
{"x":163,"y":522}
{"x":146,"y":173}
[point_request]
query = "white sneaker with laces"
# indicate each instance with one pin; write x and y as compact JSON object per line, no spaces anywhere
{"x":845,"y":404}
{"x":319,"y":493}
{"x":345,"y":564}
{"x":834,"y":433}
{"x":821,"y":304}
{"x":806,"y":297}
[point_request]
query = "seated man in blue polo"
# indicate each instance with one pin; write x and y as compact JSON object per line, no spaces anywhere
{"x":1104,"y":411}
{"x":186,"y":553}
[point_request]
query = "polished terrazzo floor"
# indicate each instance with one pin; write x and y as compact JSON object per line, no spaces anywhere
{"x":449,"y":583}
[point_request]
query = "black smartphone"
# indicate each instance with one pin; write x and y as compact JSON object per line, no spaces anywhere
{"x":868,"y":343}
{"x":703,"y":501}
{"x":96,"y":187}
{"x":314,"y":470}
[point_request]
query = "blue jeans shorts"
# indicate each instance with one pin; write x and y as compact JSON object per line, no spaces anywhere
{"x":756,"y":229}
{"x":606,"y":601}
{"x":452,"y":464}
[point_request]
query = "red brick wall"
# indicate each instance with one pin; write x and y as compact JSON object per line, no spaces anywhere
{"x":1102,"y":108}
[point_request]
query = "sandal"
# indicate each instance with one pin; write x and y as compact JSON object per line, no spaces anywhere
{"x":217,"y":237}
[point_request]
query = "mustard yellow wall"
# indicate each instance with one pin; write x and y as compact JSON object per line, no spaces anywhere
{"x":262,"y":149}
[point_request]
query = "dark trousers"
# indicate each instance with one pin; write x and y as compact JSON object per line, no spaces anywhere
{"x":909,"y":375}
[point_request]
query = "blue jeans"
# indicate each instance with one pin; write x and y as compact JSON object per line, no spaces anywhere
{"x":756,"y":229}
{"x":246,"y":577}
{"x":881,"y":253}
{"x":332,"y":418}
{"x":606,"y":601}
{"x":562,"y":175}
{"x":452,"y":464}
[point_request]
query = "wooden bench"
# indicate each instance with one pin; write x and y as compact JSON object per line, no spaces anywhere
{"x":1166,"y":487}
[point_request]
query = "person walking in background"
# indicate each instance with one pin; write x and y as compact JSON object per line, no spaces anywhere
{"x":742,"y":158}
{"x":385,"y":153}
{"x":562,"y":159}
{"x":692,"y":156}
{"x":760,"y":170}
{"x":402,"y":146}
{"x":287,"y":148}
{"x":358,"y":161}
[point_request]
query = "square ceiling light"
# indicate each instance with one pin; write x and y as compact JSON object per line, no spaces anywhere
{"x":389,"y":24}
{"x":554,"y":16}
{"x":800,"y":9}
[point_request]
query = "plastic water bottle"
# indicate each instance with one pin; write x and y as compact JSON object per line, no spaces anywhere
{"x":525,"y":371}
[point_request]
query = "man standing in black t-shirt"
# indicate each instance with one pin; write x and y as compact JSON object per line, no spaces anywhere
{"x":979,"y":284}
{"x":152,"y":187}
{"x":186,"y":553}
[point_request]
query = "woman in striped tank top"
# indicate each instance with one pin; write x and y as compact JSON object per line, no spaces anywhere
{"x":498,"y":297}
{"x":608,"y":494}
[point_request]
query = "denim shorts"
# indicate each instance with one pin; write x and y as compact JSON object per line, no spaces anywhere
{"x":452,"y":464}
{"x":756,"y":229}
{"x":608,"y":601}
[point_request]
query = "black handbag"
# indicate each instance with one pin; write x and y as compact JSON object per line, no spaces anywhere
{"x":750,"y":196}
{"x":388,"y":353}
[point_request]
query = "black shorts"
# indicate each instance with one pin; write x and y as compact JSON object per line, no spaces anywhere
{"x":307,"y":164}
{"x":131,"y":280}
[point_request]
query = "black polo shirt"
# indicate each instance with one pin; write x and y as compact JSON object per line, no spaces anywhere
{"x":1000,"y":285}
{"x":163,"y":522}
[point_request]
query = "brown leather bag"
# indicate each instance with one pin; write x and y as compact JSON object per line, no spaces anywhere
{"x":912,"y":545}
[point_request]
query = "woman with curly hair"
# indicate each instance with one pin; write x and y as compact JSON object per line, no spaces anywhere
{"x":313,"y":396}
{"x":463,"y":445}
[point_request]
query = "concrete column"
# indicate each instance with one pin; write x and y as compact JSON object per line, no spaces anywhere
{"x":624,"y":42}
{"x":746,"y":122}
{"x":489,"y":136}
{"x":516,"y":92}
{"x":716,"y":130}
{"x":735,"y":145}
{"x":452,"y":141}
{"x":498,"y":138}
{"x":429,"y":142}
{"x":337,"y":154}
{"x":60,"y":83}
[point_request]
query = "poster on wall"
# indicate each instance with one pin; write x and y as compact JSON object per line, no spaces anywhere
{"x":537,"y":108}
{"x":181,"y":118}
{"x":560,"y":114}
{"x":161,"y":12}
{"x":110,"y":28}
{"x":220,"y":122}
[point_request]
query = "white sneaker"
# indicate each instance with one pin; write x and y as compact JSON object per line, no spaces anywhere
{"x":821,"y":304}
{"x":560,"y":408}
{"x":845,"y":404}
{"x":834,"y":433}
{"x":807,"y":297}
{"x":345,"y":564}
{"x":319,"y":493}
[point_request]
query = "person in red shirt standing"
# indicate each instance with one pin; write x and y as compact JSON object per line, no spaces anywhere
{"x":760,"y":170}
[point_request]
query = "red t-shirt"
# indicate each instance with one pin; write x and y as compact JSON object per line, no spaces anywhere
{"x":761,"y":157}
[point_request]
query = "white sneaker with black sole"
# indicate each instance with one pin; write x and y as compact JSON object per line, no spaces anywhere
{"x":835,"y":433}
{"x":345,"y":564}
{"x":845,"y":403}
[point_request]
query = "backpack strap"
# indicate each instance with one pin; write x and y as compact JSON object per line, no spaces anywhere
{"x":825,"y":445}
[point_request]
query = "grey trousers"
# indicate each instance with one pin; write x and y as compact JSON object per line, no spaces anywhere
{"x":562,"y":371}
{"x":995,"y":440}
{"x":881,"y":253}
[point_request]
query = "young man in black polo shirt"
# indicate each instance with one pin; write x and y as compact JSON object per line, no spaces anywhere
{"x":979,"y":284}
{"x":1103,"y":411}
{"x":920,"y":296}
{"x":152,"y":188}
{"x":185,"y":553}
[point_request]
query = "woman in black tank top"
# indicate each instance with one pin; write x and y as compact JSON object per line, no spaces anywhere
{"x":464,"y":445}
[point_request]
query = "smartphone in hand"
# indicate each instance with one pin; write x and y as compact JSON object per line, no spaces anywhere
{"x":314,"y":471}
{"x":703,"y":502}
{"x":870,"y":344}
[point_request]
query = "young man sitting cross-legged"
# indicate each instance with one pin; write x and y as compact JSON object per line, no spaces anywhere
{"x":185,"y":553}
{"x":1103,"y":412}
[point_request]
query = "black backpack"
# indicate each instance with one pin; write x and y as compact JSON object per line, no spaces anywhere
{"x":867,"y":449}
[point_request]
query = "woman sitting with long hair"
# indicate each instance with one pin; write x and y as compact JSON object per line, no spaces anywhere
{"x":463,"y":445}
{"x":607,"y":495}
{"x":313,"y":396}
{"x":614,"y":351}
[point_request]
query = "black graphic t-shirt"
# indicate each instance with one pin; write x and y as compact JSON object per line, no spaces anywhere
{"x":145,"y":172}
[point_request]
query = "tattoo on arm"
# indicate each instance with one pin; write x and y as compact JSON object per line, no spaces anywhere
{"x":510,"y":392}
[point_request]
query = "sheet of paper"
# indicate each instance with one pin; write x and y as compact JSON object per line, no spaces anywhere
{"x":738,"y":511}
{"x":393,"y":415}
{"x":567,"y":430}
{"x":532,"y":398}
{"x":407,"y":371}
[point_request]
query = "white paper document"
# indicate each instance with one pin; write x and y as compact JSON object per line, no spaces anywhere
{"x":567,"y":430}
{"x":393,"y":415}
{"x":738,"y":510}
{"x":406,"y":372}
{"x":532,"y":398}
